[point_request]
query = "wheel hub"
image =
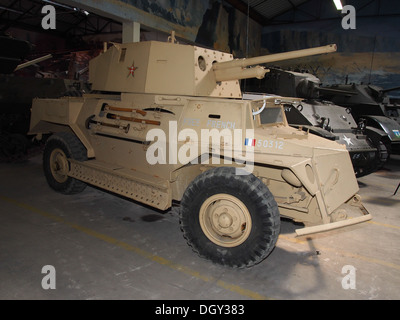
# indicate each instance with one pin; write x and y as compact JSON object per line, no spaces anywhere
{"x":59,"y":165}
{"x":225,"y":220}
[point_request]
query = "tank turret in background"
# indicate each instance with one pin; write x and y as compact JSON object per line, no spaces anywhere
{"x":323,"y":118}
{"x":371,"y":103}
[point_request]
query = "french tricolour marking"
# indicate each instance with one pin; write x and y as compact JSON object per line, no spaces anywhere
{"x":250,"y":142}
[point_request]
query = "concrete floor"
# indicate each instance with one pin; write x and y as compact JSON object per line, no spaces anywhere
{"x":106,"y":247}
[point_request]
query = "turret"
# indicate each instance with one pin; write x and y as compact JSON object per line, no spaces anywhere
{"x":171,"y":68}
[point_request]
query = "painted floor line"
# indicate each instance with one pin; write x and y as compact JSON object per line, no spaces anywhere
{"x":386,"y":225}
{"x":148,"y":255}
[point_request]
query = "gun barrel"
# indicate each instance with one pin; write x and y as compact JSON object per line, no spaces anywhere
{"x":336,"y":91}
{"x":390,"y":89}
{"x":240,"y":73}
{"x":29,"y":63}
{"x":242,"y":63}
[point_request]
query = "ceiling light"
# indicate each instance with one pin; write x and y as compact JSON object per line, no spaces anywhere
{"x":338,"y":4}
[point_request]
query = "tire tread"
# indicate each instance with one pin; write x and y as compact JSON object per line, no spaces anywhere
{"x":258,"y":193}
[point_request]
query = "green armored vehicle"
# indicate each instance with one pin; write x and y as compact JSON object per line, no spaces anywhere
{"x":372,"y":104}
{"x":170,"y":124}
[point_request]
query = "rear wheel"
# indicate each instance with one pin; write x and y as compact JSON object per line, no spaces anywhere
{"x":230,"y":219}
{"x":383,"y":153}
{"x":58,"y":149}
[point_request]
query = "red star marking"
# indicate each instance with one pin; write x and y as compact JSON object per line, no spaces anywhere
{"x":132,"y":70}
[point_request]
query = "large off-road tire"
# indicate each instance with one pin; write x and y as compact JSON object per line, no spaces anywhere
{"x":58,"y":149}
{"x":230,"y":219}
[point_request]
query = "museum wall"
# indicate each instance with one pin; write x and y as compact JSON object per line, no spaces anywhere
{"x":368,"y":54}
{"x":210,"y":23}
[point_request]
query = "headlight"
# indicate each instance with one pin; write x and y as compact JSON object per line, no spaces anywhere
{"x":291,"y":178}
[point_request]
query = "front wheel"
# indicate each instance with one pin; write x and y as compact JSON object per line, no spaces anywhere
{"x":230,"y":219}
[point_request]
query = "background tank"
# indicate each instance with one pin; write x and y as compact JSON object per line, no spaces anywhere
{"x":364,"y":99}
{"x":321,"y":117}
{"x":17,"y":93}
{"x":371,"y":103}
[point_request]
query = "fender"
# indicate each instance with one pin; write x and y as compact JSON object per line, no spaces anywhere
{"x":376,"y":134}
